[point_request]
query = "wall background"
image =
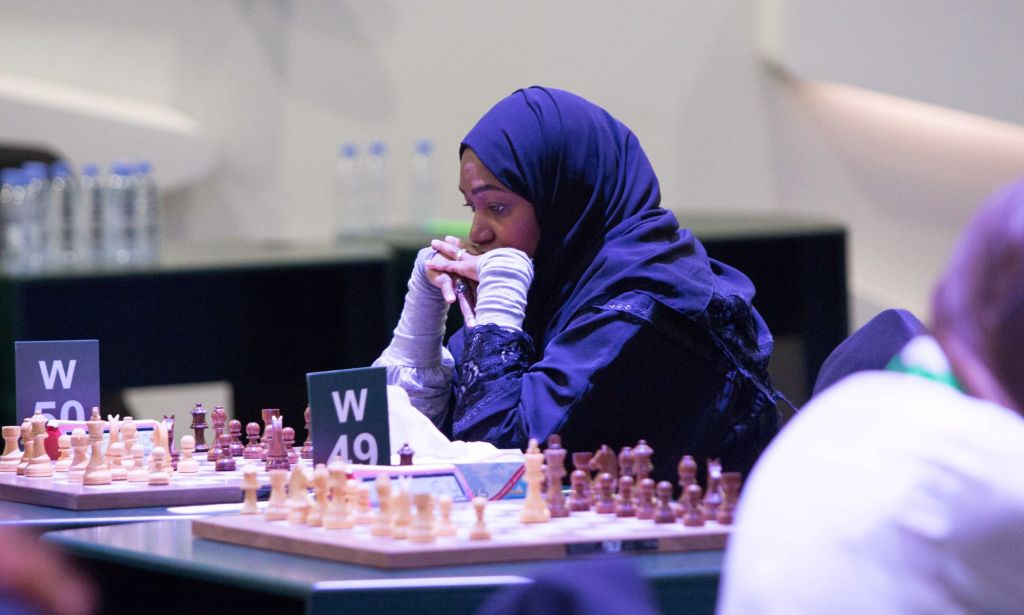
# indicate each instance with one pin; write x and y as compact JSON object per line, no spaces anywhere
{"x":276,"y":86}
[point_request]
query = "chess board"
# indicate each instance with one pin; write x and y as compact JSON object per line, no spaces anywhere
{"x":581,"y":533}
{"x":205,"y":487}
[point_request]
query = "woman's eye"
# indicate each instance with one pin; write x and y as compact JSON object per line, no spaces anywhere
{"x":471,"y":207}
{"x":496,"y":207}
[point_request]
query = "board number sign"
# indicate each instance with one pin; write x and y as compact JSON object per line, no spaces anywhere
{"x":60,"y":378}
{"x":349,"y":415}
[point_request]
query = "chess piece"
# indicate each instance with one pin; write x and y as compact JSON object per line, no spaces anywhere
{"x":159,"y":437}
{"x":158,"y":471}
{"x":645,"y":499}
{"x":39,"y":466}
{"x":381,"y":525}
{"x":96,"y":472}
{"x":422,"y":528}
{"x":624,"y":506}
{"x":113,"y":434}
{"x":187,"y":463}
{"x":12,"y":454}
{"x":337,"y":515}
{"x":288,"y":435}
{"x":198,"y":428}
{"x":664,"y":512}
{"x":402,"y":514}
{"x":250,"y":486}
{"x":253,"y":449}
{"x":581,"y":462}
{"x":642,"y":465}
{"x":79,"y":458}
{"x":693,"y":511}
{"x":128,"y":434}
{"x":445,"y":527}
{"x":405,"y":455}
{"x":554,"y":462}
{"x":298,"y":496}
{"x":687,"y":472}
{"x":321,"y":486}
{"x":479,"y":530}
{"x":604,"y":461}
{"x":713,"y":495}
{"x":268,"y":415}
{"x":579,"y":499}
{"x":277,"y":457}
{"x":277,"y":504}
{"x":307,"y":446}
{"x":359,"y":492}
{"x":115,"y":452}
{"x":219,"y":420}
{"x":29,"y":444}
{"x":605,"y":503}
{"x":625,"y":462}
{"x":225,"y":463}
{"x":534,"y":508}
{"x":235,"y":442}
{"x":138,"y":473}
{"x":172,"y":449}
{"x":64,"y":459}
{"x":731,"y":482}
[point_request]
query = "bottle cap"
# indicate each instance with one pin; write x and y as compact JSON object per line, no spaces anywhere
{"x":378,"y":148}
{"x":60,"y":168}
{"x":90,"y":169}
{"x":348,"y":150}
{"x":424,"y":146}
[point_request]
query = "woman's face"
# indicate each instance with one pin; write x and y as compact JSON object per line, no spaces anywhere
{"x":501,"y":218}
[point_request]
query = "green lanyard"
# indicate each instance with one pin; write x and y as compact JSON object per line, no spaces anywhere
{"x":922,"y":356}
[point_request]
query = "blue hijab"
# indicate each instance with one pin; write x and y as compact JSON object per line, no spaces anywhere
{"x":598,"y":205}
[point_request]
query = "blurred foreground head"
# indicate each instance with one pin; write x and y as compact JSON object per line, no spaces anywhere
{"x":978,"y":305}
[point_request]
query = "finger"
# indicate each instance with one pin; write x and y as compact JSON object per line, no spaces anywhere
{"x":457,"y":267}
{"x":468,"y":316}
{"x":447,"y":286}
{"x":455,"y":241}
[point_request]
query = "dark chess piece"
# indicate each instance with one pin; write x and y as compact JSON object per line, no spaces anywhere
{"x":605,"y":503}
{"x":624,"y":507}
{"x":579,"y":498}
{"x":713,"y":495}
{"x":645,"y":499}
{"x":693,"y":511}
{"x":405,"y":455}
{"x":664,"y":512}
{"x":277,"y":456}
{"x":687,"y":470}
{"x":235,"y":443}
{"x":554,"y":462}
{"x":604,"y":460}
{"x":731,"y":483}
{"x":307,"y":446}
{"x":226,"y":461}
{"x":219,"y":420}
{"x":253,"y":449}
{"x":172,"y":447}
{"x":642,"y":465}
{"x":268,"y":415}
{"x":625,"y":462}
{"x":581,"y":462}
{"x":198,"y":427}
{"x":288,"y":435}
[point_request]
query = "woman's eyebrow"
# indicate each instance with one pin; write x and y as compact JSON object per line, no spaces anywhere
{"x":486,"y":187}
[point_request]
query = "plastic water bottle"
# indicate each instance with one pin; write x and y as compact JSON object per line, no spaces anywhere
{"x":88,"y":228}
{"x":147,"y":215}
{"x":426,"y":197}
{"x":378,"y":205}
{"x":12,"y":213}
{"x":349,"y":209}
{"x":61,"y":211}
{"x":119,"y":215}
{"x":37,"y":189}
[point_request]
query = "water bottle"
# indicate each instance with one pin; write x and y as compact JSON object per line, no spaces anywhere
{"x":147,"y":215}
{"x":61,"y":210}
{"x":426,"y":198}
{"x":119,"y":216}
{"x":88,"y":227}
{"x":349,"y":209}
{"x":377,"y":213}
{"x":12,"y":214}
{"x":33,"y":218}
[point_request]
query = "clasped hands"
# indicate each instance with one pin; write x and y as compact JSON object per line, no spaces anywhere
{"x":452,"y":268}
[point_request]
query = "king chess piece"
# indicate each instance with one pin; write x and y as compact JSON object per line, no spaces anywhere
{"x":219,"y":420}
{"x":534,"y":508}
{"x":307,"y":446}
{"x":554,"y":463}
{"x":198,"y":428}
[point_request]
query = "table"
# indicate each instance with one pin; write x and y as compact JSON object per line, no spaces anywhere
{"x":259,"y":316}
{"x":45,"y":519}
{"x":797,"y":264}
{"x":131,"y":561}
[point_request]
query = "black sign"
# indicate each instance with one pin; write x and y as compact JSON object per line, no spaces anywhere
{"x":349,"y":416}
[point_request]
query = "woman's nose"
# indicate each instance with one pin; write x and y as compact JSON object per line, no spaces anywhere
{"x":480,"y":233}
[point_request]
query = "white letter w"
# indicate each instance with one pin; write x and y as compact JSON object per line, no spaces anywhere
{"x":350,"y":402}
{"x":58,"y":368}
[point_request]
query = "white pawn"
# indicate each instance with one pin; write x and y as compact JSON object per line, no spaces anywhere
{"x":277,"y":505}
{"x":139,"y":473}
{"x":29,"y":444}
{"x":186,"y":464}
{"x":321,"y":478}
{"x":360,"y":493}
{"x":479,"y":530}
{"x":381,"y":525}
{"x":39,"y":466}
{"x":64,"y":460}
{"x":115,"y":453}
{"x":422,"y":528}
{"x":250,"y":485}
{"x":445,"y":527}
{"x":79,"y":461}
{"x":402,"y":513}
{"x":128,"y":431}
{"x":338,"y":516}
{"x":12,"y":454}
{"x":158,"y":474}
{"x":298,"y":496}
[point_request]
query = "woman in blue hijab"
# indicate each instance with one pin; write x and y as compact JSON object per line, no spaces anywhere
{"x":596,"y":317}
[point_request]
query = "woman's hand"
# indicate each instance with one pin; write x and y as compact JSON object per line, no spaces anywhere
{"x":443,"y":272}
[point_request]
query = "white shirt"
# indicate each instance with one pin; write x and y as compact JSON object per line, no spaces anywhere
{"x":888,"y":493}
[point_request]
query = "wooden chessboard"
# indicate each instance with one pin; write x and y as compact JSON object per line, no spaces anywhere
{"x":205,"y":487}
{"x":581,"y":533}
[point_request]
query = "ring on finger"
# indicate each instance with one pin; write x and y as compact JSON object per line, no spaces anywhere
{"x":460,"y":253}
{"x":460,"y":287}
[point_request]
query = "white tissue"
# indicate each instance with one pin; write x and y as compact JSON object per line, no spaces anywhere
{"x":409,"y":425}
